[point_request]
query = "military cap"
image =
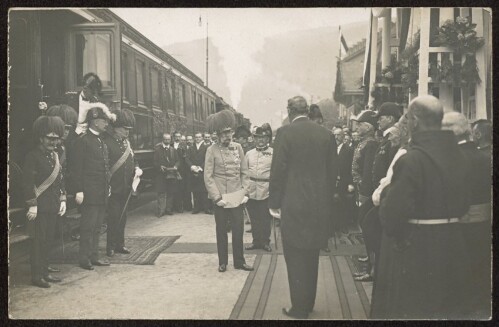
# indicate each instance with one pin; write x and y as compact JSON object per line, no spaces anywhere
{"x":45,"y":125}
{"x":390,"y":109}
{"x":367,"y":116}
{"x":264,"y":130}
{"x":124,"y":118}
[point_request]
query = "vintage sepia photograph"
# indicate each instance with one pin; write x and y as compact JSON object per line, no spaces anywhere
{"x":250,"y":163}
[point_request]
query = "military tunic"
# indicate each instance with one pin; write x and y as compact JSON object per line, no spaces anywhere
{"x":90,"y":175}
{"x":39,"y":165}
{"x":259,"y":163}
{"x":226,"y":171}
{"x":121,"y":185}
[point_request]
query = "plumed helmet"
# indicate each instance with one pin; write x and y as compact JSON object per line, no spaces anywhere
{"x":367,"y":116}
{"x":221,"y":121}
{"x":45,"y":125}
{"x":99,"y":111}
{"x":68,"y":115}
{"x":124,"y":118}
{"x":264,"y":130}
{"x":242,"y":131}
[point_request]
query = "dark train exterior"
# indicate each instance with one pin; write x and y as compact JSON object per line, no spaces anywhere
{"x":51,"y":50}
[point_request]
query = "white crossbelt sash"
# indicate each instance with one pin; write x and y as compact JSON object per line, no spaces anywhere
{"x":121,"y":160}
{"x":51,"y":179}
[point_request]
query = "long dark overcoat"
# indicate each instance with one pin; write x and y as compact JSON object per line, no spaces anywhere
{"x":423,"y":269}
{"x":196,"y":157}
{"x":302,"y":182}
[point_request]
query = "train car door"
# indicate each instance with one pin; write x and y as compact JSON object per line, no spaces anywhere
{"x":96,"y":48}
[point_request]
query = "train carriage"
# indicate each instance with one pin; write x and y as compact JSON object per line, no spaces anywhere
{"x":51,"y":50}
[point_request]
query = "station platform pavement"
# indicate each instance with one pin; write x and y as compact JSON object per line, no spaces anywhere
{"x":183,"y":282}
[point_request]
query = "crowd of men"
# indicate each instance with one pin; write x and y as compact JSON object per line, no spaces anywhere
{"x":417,"y":183}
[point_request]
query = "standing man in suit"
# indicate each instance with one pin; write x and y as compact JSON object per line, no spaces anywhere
{"x":91,"y":180}
{"x":226,"y":176}
{"x":182,"y":200}
{"x":166,"y":165}
{"x":195,"y":162}
{"x":344,"y":182}
{"x":302,"y":182}
{"x":123,"y":168}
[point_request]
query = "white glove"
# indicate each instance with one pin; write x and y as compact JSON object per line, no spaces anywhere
{"x":31,"y":214}
{"x":221,"y":203}
{"x":79,"y":198}
{"x":138,"y":172}
{"x":42,"y":105}
{"x":194,"y":169}
{"x":245,"y":199}
{"x":350,"y":188}
{"x":62,"y":208}
{"x":276,"y":213}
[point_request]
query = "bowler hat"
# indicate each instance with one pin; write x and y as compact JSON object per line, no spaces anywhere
{"x":389,"y":109}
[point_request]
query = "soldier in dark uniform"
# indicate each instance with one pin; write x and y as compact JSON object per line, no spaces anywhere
{"x":241,"y":136}
{"x":424,"y":267}
{"x":477,"y":222}
{"x":70,"y":118}
{"x":166,"y":163}
{"x":388,"y":114}
{"x":122,"y":169}
{"x":45,"y":195}
{"x":362,"y":166}
{"x":91,"y":177}
{"x":195,"y":162}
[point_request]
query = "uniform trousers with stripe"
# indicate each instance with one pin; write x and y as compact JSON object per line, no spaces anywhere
{"x":115,"y":226}
{"x":260,"y":217}
{"x":222,"y":217}
{"x":41,"y":231}
{"x":303,"y":269}
{"x":90,"y":227}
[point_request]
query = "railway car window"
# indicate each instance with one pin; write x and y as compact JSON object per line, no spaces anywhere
{"x":170,"y":95}
{"x":194,"y":104}
{"x":182,"y":101}
{"x":124,"y":74}
{"x":141,"y":135}
{"x":155,"y":87}
{"x":139,"y":67}
{"x":93,"y":54}
{"x":200,"y":106}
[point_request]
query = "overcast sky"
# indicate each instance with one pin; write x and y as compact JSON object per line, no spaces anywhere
{"x":238,"y":33}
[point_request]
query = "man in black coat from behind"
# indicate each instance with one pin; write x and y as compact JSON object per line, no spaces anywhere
{"x":302,"y":182}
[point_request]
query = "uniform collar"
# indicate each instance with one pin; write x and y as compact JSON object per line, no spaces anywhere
{"x":300,"y":116}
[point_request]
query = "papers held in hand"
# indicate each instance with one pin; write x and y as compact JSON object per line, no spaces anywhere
{"x":234,"y":199}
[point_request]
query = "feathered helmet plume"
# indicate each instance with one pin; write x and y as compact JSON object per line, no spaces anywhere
{"x":65,"y":112}
{"x":221,"y":121}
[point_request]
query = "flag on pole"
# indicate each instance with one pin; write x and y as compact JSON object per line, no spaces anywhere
{"x":343,"y":43}
{"x":367,"y":56}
